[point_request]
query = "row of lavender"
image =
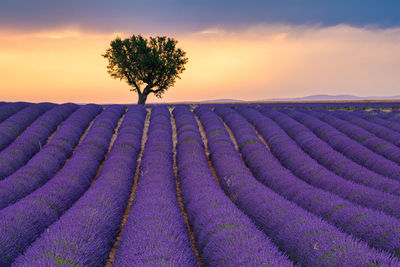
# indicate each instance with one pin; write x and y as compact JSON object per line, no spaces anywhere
{"x":353,"y":134}
{"x":100,"y":209}
{"x":374,"y":227}
{"x":224,"y":235}
{"x":44,"y":164}
{"x":49,"y":228}
{"x":24,"y":145}
{"x":83,"y":236}
{"x":348,"y":105}
{"x":98,"y":212}
{"x":8,"y":109}
{"x":24,"y":221}
{"x":155,"y":232}
{"x":375,"y":137}
{"x":13,"y":122}
{"x":342,"y":143}
{"x":306,"y":168}
{"x":366,"y":134}
{"x":306,"y":238}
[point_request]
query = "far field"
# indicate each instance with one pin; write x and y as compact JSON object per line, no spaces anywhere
{"x":229,"y":184}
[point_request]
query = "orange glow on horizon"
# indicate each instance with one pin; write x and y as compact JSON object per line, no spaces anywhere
{"x":256,"y":63}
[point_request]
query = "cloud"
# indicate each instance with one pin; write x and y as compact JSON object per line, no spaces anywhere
{"x":250,"y":63}
{"x":142,"y":16}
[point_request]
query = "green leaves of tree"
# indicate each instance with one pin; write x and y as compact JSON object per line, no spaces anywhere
{"x":147,"y":65}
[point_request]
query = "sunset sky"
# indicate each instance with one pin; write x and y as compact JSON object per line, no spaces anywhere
{"x":249,"y":50}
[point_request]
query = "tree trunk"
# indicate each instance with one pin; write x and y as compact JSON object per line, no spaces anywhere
{"x":142,"y":99}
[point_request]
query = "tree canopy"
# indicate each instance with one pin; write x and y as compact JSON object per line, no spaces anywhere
{"x":148,"y":65}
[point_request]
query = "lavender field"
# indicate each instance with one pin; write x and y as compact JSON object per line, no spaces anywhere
{"x":267,"y":184}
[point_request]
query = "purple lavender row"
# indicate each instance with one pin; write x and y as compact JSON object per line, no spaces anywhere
{"x":31,"y":140}
{"x":374,"y":129}
{"x":374,"y":227}
{"x":23,"y":222}
{"x":381,"y":114}
{"x":8,"y":109}
{"x":224,"y":235}
{"x":394,"y":116}
{"x":306,"y":238}
{"x":155,"y":232}
{"x":324,"y":105}
{"x":349,"y":147}
{"x":44,"y":164}
{"x":377,"y":145}
{"x":306,"y":168}
{"x":16,"y":124}
{"x":386,"y":115}
{"x":335,"y":161}
{"x":84,"y":235}
{"x":375,"y":118}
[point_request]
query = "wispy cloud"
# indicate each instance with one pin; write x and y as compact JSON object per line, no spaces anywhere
{"x":262,"y":61}
{"x":141,"y":16}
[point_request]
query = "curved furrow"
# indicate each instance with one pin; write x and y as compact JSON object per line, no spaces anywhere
{"x":23,"y":222}
{"x":367,"y":139}
{"x":32,"y":139}
{"x":347,"y":146}
{"x":8,"y":109}
{"x":98,"y":212}
{"x":45,"y":164}
{"x":335,"y":161}
{"x":155,"y":232}
{"x":131,"y":197}
{"x":374,"y":227}
{"x":224,"y":235}
{"x":378,"y":130}
{"x":14,"y":125}
{"x":375,"y":118}
{"x":306,"y":168}
{"x":179,"y":191}
{"x":307,"y":239}
{"x":395,"y":117}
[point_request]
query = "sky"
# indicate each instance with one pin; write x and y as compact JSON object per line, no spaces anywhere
{"x":248,"y":50}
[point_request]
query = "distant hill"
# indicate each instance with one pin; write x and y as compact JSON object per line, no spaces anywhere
{"x":222,"y":100}
{"x":321,"y":97}
{"x":334,"y":98}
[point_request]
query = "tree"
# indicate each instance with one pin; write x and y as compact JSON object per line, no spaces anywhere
{"x":147,"y":65}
